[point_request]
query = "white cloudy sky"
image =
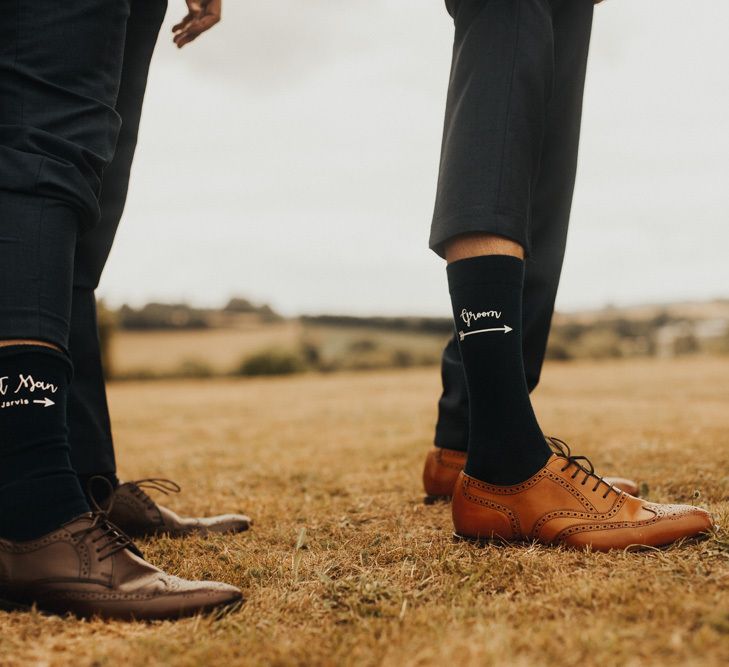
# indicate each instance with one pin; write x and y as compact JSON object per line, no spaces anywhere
{"x":290,"y":156}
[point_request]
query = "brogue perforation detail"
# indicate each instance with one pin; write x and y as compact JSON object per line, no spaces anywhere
{"x":518,"y":488}
{"x":83,"y":552}
{"x":440,"y":457}
{"x":574,"y":514}
{"x":672,"y":512}
{"x":586,"y":527}
{"x":508,"y":490}
{"x":172,"y":591}
{"x":571,"y":489}
{"x":28,"y":547}
{"x":513,"y":519}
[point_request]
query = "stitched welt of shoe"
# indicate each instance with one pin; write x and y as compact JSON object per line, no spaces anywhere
{"x":98,"y":597}
{"x":174,"y":588}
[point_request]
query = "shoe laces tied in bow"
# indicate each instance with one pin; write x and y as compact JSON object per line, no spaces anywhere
{"x":161,"y":484}
{"x":582,"y":465}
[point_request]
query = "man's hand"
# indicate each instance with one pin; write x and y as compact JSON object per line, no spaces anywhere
{"x":201,"y":16}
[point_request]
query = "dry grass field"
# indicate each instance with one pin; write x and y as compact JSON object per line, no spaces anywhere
{"x":346,"y":565}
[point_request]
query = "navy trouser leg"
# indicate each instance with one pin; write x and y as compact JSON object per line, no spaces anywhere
{"x":92,"y":449}
{"x":548,"y":189}
{"x":552,"y":200}
{"x":60,"y":65}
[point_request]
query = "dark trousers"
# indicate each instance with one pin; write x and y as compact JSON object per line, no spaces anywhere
{"x":72,"y":82}
{"x":509,"y":157}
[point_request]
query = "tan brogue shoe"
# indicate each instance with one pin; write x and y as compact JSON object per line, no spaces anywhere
{"x":441,"y":472}
{"x":567,"y":503}
{"x":443,"y":465}
{"x":90,"y":568}
{"x":139,"y":516}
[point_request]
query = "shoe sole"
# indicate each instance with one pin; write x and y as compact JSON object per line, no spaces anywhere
{"x":183,"y":534}
{"x":9,"y":606}
{"x":215,"y":611}
{"x":482,"y":542}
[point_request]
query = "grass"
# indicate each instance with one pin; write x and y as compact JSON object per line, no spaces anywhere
{"x":346,"y":565}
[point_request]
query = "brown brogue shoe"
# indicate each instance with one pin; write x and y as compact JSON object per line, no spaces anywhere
{"x":567,"y":503}
{"x":88,"y":568}
{"x":443,"y":465}
{"x":139,"y":516}
{"x":441,"y":472}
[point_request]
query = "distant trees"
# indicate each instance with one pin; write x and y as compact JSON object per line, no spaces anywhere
{"x":611,"y":336}
{"x":240,"y":305}
{"x":164,"y":316}
{"x":434,"y":325}
{"x":329,"y":343}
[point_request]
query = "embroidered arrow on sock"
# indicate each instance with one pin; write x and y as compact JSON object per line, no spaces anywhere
{"x":46,"y":402}
{"x":505,"y":329}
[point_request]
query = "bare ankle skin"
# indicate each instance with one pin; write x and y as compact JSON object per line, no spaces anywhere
{"x":25,"y":341}
{"x":478,"y":245}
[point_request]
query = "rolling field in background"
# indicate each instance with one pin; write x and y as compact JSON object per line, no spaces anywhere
{"x":345,"y":565}
{"x":219,"y":351}
{"x":177,"y":341}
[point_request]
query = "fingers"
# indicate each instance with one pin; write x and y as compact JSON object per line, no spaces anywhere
{"x":194,"y":29}
{"x":202,"y":16}
{"x":179,"y":26}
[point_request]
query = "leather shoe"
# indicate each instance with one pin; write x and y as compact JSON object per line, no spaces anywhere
{"x":138,"y":515}
{"x":443,"y":465}
{"x":88,"y":567}
{"x":567,"y":503}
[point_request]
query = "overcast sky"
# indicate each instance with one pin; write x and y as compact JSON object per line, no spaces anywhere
{"x":290,"y":156}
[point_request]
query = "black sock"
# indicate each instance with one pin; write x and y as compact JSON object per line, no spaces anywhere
{"x":505,"y":443}
{"x":39,"y":490}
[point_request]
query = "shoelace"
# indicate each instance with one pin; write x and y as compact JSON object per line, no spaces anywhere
{"x":582,"y":464}
{"x":160,"y":484}
{"x":109,"y":539}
